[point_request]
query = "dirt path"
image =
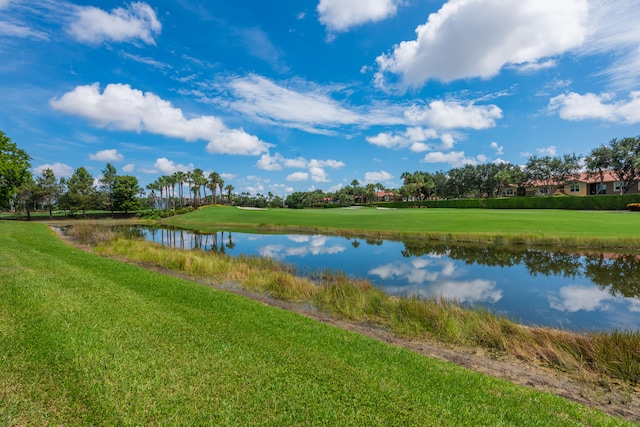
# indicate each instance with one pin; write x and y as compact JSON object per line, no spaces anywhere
{"x":613,"y":401}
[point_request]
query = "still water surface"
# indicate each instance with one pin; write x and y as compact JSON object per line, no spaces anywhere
{"x":579,"y":291}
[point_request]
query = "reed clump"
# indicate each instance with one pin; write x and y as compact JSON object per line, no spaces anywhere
{"x":592,"y":356}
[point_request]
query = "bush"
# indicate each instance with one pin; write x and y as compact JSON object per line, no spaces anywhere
{"x":613,"y":202}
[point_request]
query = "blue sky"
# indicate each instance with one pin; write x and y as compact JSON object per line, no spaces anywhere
{"x":293,"y":95}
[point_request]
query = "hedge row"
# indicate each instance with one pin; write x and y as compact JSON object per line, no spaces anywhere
{"x":618,"y":202}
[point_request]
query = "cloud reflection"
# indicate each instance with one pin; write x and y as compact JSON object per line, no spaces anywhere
{"x":313,"y":245}
{"x":574,"y":298}
{"x":437,"y":280}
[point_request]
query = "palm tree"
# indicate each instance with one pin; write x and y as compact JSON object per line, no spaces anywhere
{"x":355,"y":184}
{"x":189,"y":181}
{"x":229,"y":189}
{"x":164,"y":187}
{"x":153,"y":187}
{"x":220,"y":184}
{"x":214,"y":178}
{"x":180,"y":177}
{"x":370,"y":191}
{"x":171,"y":182}
{"x":198,"y":181}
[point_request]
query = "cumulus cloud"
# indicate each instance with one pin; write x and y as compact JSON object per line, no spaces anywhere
{"x":128,"y":168}
{"x":107,"y":156}
{"x":59,"y":169}
{"x":315,"y":167}
{"x":547,"y":151}
{"x":477,"y":38}
{"x":380,"y":176}
{"x":124,"y":108}
{"x":574,"y":107}
{"x":168,"y":167}
{"x":340,"y":15}
{"x":499,"y":148}
{"x":137,"y":22}
{"x":413,"y":138}
{"x":453,"y":158}
{"x":454,"y":115}
{"x":298,"y":176}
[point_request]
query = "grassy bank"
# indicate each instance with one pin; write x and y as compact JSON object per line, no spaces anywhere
{"x":87,"y":340}
{"x":587,"y":229}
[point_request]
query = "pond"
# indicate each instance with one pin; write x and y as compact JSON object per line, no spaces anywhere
{"x":577,"y":291}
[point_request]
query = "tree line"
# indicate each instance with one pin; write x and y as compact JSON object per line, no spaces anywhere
{"x":621,"y":157}
{"x":114,"y":192}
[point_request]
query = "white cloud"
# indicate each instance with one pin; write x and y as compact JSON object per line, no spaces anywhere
{"x":613,"y":30}
{"x":124,"y":108}
{"x":373,"y":177}
{"x":59,"y":169}
{"x":477,"y":38}
{"x":168,"y":167}
{"x":137,"y":22}
{"x":312,"y":108}
{"x":547,"y":151}
{"x":107,"y":156}
{"x":128,"y":168}
{"x":340,"y":15}
{"x":453,"y":158}
{"x":8,"y":29}
{"x":298,"y":176}
{"x":266,"y":101}
{"x":413,"y":138}
{"x":315,"y":167}
{"x":4,"y":3}
{"x":574,"y":107}
{"x":454,"y":115}
{"x":499,"y":148}
{"x":318,"y":174}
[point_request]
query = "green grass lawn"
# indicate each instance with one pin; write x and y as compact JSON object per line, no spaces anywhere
{"x":90,"y":341}
{"x":527,"y":225}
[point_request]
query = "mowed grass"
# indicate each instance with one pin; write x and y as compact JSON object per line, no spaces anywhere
{"x":90,"y":341}
{"x":545,"y":227}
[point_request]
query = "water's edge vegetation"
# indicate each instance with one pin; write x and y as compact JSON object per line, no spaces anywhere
{"x":595,"y":357}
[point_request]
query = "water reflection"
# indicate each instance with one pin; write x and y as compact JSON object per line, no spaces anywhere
{"x":534,"y":286}
{"x":618,"y":273}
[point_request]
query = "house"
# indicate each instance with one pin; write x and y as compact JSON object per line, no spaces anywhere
{"x":387,"y":196}
{"x":584,"y":184}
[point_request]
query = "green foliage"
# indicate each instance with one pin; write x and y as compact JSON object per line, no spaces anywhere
{"x":615,"y":202}
{"x":14,"y":168}
{"x":124,"y":193}
{"x":81,"y":193}
{"x":622,"y":157}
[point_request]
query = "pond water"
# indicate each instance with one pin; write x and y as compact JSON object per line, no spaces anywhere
{"x":578,"y":291}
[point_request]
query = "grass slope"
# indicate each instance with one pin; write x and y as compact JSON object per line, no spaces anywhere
{"x":86,"y":340}
{"x":611,"y":228}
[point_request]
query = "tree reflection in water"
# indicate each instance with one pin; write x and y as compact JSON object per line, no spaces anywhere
{"x":618,"y":273}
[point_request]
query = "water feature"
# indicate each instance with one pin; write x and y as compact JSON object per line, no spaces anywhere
{"x":579,"y":291}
